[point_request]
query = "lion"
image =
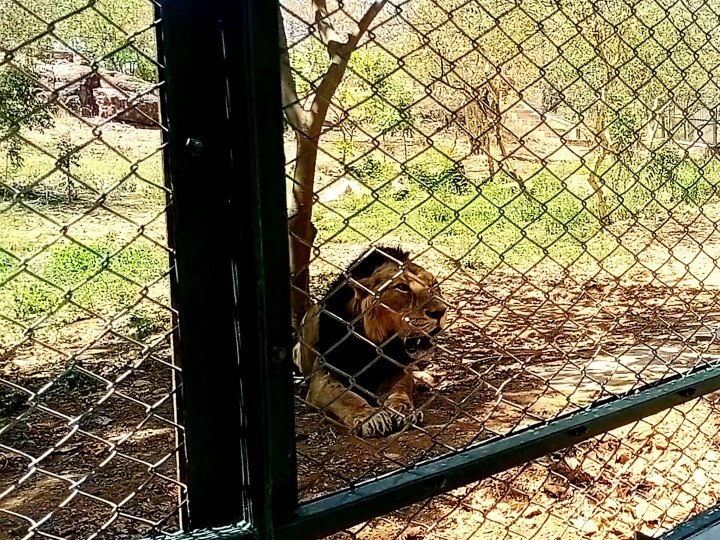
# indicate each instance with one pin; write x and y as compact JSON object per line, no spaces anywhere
{"x":355,"y":345}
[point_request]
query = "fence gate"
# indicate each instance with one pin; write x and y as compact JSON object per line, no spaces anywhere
{"x":512,"y":204}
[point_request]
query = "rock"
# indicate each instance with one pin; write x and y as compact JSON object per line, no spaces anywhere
{"x":587,"y":527}
{"x":100,"y":93}
{"x":142,"y":111}
{"x":340,"y":188}
{"x":700,"y":477}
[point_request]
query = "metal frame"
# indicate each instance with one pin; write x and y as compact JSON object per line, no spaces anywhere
{"x":225,"y":165}
{"x":696,"y":527}
{"x":224,"y":159}
{"x":351,"y":506}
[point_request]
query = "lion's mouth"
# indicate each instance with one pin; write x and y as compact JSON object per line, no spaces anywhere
{"x":421,"y":343}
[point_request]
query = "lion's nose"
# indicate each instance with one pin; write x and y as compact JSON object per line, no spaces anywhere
{"x":436,"y":312}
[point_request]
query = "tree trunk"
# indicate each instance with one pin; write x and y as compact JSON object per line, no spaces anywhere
{"x":596,"y":184}
{"x":504,"y":163}
{"x":302,"y":232}
{"x":307,"y":124}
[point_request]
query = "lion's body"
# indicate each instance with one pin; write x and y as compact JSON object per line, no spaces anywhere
{"x":350,"y":352}
{"x":353,"y":345}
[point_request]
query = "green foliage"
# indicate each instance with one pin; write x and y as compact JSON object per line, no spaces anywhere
{"x":111,"y":45}
{"x":74,"y":380}
{"x":31,"y":298}
{"x":20,"y":107}
{"x":126,"y":44}
{"x":98,"y":168}
{"x":553,"y":220}
{"x":346,"y":148}
{"x":373,"y":172}
{"x":663,"y":166}
{"x":84,"y":272}
{"x":436,"y":171}
{"x":382,"y":92}
{"x":374,"y":91}
{"x":143,"y":324}
{"x":309,"y":61}
{"x":624,"y":132}
{"x":67,"y":153}
{"x":6,"y":264}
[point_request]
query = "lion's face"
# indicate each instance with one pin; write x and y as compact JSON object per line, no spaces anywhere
{"x":406,"y":301}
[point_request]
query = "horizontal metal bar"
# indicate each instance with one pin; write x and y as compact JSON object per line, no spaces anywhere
{"x":239,"y":531}
{"x":697,"y":527}
{"x":335,"y":512}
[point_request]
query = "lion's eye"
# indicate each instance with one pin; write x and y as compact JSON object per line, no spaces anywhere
{"x":403,"y":287}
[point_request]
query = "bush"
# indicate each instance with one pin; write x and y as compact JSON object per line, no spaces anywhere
{"x":143,"y":324}
{"x":663,"y":166}
{"x":438,"y":172}
{"x":372,"y":172}
{"x":20,"y":106}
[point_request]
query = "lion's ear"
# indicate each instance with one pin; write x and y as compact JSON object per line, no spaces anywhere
{"x":361,"y":287}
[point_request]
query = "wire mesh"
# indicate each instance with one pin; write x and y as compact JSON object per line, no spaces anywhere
{"x":89,"y":436}
{"x":646,"y":477}
{"x":553,"y":166}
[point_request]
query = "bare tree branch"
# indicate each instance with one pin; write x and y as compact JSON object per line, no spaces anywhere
{"x":338,"y":64}
{"x":330,"y":38}
{"x":365,"y":22}
{"x":308,"y":124}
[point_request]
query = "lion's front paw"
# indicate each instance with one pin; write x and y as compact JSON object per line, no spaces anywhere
{"x":404,"y":412}
{"x":378,"y":423}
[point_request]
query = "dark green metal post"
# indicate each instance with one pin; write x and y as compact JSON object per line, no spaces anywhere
{"x":253,"y":62}
{"x":200,"y":168}
{"x":225,"y":160}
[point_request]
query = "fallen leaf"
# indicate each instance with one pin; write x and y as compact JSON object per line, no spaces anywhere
{"x":585,"y":526}
{"x":68,"y":448}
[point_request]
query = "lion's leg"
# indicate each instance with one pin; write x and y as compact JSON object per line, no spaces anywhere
{"x":397,"y":395}
{"x":304,"y":355}
{"x":329,"y":395}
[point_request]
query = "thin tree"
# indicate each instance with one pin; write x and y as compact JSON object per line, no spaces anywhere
{"x":307,"y":121}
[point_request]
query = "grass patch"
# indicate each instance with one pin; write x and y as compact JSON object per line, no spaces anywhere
{"x":123,"y":168}
{"x":490,"y":222}
{"x":97,"y":277}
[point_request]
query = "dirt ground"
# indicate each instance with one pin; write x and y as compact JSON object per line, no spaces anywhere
{"x":113,"y":471}
{"x":87,"y":431}
{"x":95,"y":453}
{"x":644,"y":478}
{"x":523,"y":349}
{"x":518,"y":350}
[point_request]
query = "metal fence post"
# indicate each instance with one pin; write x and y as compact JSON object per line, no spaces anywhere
{"x":253,"y":68}
{"x":200,"y":169}
{"x":226,"y":162}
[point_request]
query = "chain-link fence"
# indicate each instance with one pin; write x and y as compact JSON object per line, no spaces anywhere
{"x":538,"y":180}
{"x":89,"y":437}
{"x":541,"y":180}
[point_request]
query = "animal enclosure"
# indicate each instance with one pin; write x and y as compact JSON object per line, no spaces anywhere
{"x":554,"y":165}
{"x":549,"y":167}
